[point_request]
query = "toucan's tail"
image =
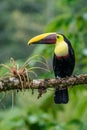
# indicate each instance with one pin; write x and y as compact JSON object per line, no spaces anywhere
{"x":61,"y":96}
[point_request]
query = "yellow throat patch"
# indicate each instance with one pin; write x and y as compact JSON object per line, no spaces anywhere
{"x":61,"y":49}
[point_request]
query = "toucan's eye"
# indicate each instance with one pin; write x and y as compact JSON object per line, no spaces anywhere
{"x":58,"y":37}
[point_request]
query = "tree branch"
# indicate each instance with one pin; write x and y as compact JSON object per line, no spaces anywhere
{"x":13,"y":83}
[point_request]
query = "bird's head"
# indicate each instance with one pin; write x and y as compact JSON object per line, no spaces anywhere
{"x":46,"y":38}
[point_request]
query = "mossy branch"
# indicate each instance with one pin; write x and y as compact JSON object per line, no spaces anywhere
{"x":12,"y":83}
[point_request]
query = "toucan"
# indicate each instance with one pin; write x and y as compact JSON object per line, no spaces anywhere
{"x":63,"y":60}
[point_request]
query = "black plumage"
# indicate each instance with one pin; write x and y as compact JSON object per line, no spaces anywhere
{"x":63,"y":67}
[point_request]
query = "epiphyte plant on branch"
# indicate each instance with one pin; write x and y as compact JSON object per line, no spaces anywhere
{"x":23,"y":72}
{"x":63,"y":60}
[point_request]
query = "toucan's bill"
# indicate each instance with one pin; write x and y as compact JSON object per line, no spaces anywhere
{"x":46,"y":38}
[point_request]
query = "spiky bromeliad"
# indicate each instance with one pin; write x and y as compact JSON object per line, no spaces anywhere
{"x":63,"y":60}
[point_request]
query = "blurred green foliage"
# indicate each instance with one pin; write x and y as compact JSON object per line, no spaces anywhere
{"x":21,"y":20}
